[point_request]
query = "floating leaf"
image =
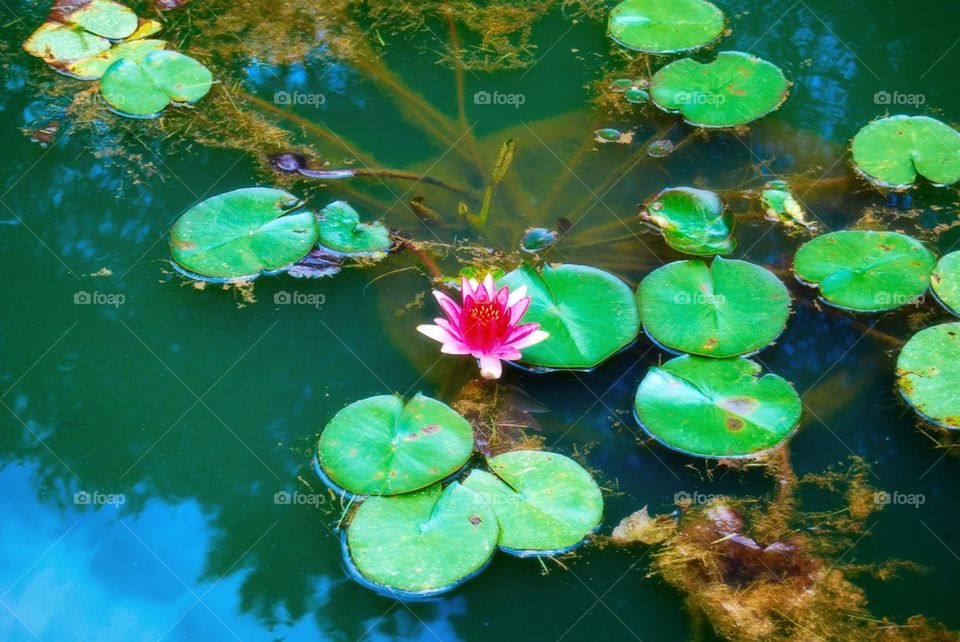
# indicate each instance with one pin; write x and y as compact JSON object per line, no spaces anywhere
{"x":383,"y":446}
{"x":342,"y":231}
{"x":57,"y":43}
{"x":725,"y":309}
{"x":242,"y":234}
{"x":636,"y":96}
{"x":537,"y":239}
{"x":422,"y":543}
{"x":95,"y":66}
{"x":693,"y":221}
{"x":655,"y":26}
{"x":101,"y":17}
{"x":735,"y":89}
{"x":608,"y":135}
{"x":76,"y":30}
{"x":890,"y":152}
{"x":145,"y":87}
{"x":660,"y":149}
{"x":928,"y":371}
{"x":716,"y":407}
{"x":945,"y":281}
{"x":865,"y":271}
{"x":590,"y":314}
{"x":545,"y":503}
{"x":621,"y":85}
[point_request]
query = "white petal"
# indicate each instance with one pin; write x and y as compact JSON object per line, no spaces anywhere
{"x":533,"y":338}
{"x":516,"y":295}
{"x":436,"y":333}
{"x":490,"y":368}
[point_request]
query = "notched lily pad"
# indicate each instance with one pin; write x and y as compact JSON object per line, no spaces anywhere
{"x":143,"y":88}
{"x":383,"y":446}
{"x":945,"y":282}
{"x":77,"y":29}
{"x":734,"y":89}
{"x":342,"y":231}
{"x":590,"y":314}
{"x":716,"y":407}
{"x":243,"y":233}
{"x":890,"y":152}
{"x":655,"y":26}
{"x":928,"y":371}
{"x":423,"y":543}
{"x":865,"y":271}
{"x":545,"y":503}
{"x":721,"y":310}
{"x":693,"y":221}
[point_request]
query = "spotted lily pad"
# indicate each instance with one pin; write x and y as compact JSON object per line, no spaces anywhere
{"x":383,"y":446}
{"x":143,"y":88}
{"x":57,"y":44}
{"x":945,"y":281}
{"x":890,"y":152}
{"x":101,"y":17}
{"x":545,"y":503}
{"x":693,"y":221}
{"x":928,"y":371}
{"x":342,"y":231}
{"x":865,"y":271}
{"x":716,"y":407}
{"x":590,"y":314}
{"x":421,"y":543}
{"x":734,"y":89}
{"x":242,"y":234}
{"x":95,"y":66}
{"x":655,"y":26}
{"x":721,"y":310}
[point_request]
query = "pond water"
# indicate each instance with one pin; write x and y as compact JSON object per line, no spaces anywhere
{"x":181,"y":412}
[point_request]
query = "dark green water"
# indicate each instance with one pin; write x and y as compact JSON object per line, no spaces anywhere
{"x":198,"y":411}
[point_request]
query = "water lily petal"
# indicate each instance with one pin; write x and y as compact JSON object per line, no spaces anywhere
{"x":449,"y":306}
{"x":518,"y":309}
{"x":490,"y":368}
{"x":533,"y":338}
{"x":516,"y":296}
{"x":455,"y":347}
{"x":436,"y":333}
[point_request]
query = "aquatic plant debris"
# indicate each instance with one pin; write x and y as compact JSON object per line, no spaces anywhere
{"x":864,"y":270}
{"x":725,"y":309}
{"x":590,"y":314}
{"x":692,"y":221}
{"x":890,"y":152}
{"x":486,"y":324}
{"x":653,"y":26}
{"x":928,"y":371}
{"x":422,"y":543}
{"x":782,"y":206}
{"x":716,"y":407}
{"x":545,"y":503}
{"x":144,"y":87}
{"x":243,"y":233}
{"x":385,"y":446}
{"x":945,"y":281}
{"x":734,"y":89}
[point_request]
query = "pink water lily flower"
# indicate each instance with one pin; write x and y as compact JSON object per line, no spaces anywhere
{"x":487,"y":325}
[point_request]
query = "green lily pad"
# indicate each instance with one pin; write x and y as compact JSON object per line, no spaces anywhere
{"x":95,"y":66}
{"x":590,"y":314}
{"x":145,"y":87}
{"x":945,"y":281}
{"x":890,"y":152}
{"x":57,"y":43}
{"x":693,"y":221}
{"x":545,"y":502}
{"x":735,"y":89}
{"x":242,"y":234}
{"x":422,"y":543}
{"x":655,"y":26}
{"x":865,"y":271}
{"x":721,"y":310}
{"x":716,"y":407}
{"x":383,"y":446}
{"x":928,"y":371}
{"x":341,"y":230}
{"x":537,"y":239}
{"x":636,"y":96}
{"x":101,"y":17}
